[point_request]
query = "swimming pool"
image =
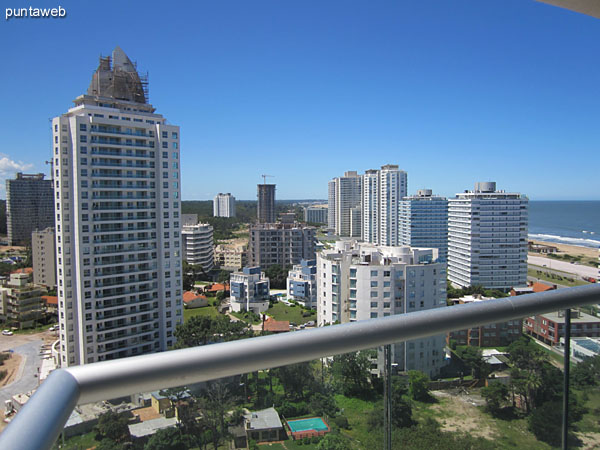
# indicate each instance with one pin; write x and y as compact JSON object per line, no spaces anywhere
{"x":313,"y":423}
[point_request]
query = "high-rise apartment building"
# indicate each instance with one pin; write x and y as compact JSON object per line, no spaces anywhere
{"x":392,"y":187}
{"x":118,"y":205}
{"x":315,"y":214}
{"x":424,"y":222}
{"x":224,"y":205}
{"x":382,"y":191}
{"x":279,"y":243}
{"x":265,"y":212}
{"x":487,"y":238}
{"x":359,"y":281}
{"x":198,"y":245}
{"x":29,"y":207}
{"x":344,"y":205}
{"x":370,"y":206}
{"x":43,"y":254}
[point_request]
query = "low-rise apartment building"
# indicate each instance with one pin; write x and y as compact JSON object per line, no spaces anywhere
{"x":550,"y":327}
{"x":21,"y":302}
{"x":498,"y":334}
{"x":282,"y":244}
{"x":249,"y":290}
{"x":231,"y":258}
{"x":302,"y":283}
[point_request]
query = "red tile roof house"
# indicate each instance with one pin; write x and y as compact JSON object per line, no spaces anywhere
{"x":276,"y":326}
{"x":51,"y":303}
{"x":193,"y":300}
{"x":218,"y":287}
{"x":27,"y":270}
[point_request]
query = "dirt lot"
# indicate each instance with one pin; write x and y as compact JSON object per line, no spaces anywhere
{"x":464,"y":415}
{"x":11,"y":365}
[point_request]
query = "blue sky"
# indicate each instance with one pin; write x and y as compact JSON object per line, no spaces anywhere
{"x":451,"y":91}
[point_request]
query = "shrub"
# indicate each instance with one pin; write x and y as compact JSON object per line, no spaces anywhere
{"x":306,"y":441}
{"x":315,"y":439}
{"x":342,"y":422}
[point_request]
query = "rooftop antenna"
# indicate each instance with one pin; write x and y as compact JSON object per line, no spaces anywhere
{"x":265,"y":178}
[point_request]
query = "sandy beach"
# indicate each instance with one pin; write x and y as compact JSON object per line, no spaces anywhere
{"x":571,"y":249}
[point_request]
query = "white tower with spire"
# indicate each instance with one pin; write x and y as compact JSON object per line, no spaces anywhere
{"x":118,"y":243}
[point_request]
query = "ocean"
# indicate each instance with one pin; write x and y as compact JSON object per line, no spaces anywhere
{"x":565,"y":222}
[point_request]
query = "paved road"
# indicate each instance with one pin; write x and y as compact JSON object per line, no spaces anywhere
{"x":582,"y":271}
{"x":25,"y":381}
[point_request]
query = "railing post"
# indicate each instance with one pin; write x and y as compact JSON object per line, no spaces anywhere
{"x":40,"y":421}
{"x":387,"y":394}
{"x":567,"y":364}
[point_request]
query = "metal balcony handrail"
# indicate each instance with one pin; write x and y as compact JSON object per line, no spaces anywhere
{"x":40,"y":421}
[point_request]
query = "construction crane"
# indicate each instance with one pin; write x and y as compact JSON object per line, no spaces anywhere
{"x":265,"y":178}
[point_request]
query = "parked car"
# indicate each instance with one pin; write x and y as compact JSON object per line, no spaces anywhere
{"x":53,"y":328}
{"x":7,"y":333}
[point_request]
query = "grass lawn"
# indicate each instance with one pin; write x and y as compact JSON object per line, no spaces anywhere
{"x":249,"y":319}
{"x":457,"y":415}
{"x":206,"y":311}
{"x":357,"y":411}
{"x":590,"y":423}
{"x":78,"y":442}
{"x":281,"y":311}
{"x":562,"y":278}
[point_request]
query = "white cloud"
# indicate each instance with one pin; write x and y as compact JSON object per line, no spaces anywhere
{"x":8,"y":167}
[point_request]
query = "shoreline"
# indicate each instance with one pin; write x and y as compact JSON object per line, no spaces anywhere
{"x":569,"y":249}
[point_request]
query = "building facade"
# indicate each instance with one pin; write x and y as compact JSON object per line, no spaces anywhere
{"x":283,"y":244}
{"x":392,"y":187}
{"x":43,"y":254}
{"x":359,"y":281}
{"x":249,"y":290}
{"x":315,"y":214}
{"x":265,"y":212}
{"x":344,"y":205}
{"x":302,"y":283}
{"x":550,"y":328}
{"x":198,"y":245}
{"x":424,"y":222}
{"x":224,"y":205}
{"x":500,"y":334}
{"x":231,"y":258}
{"x":487,"y":238}
{"x":21,"y":303}
{"x":29,"y":207}
{"x":118,"y":206}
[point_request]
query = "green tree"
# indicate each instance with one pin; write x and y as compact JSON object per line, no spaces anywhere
{"x":322,"y":404}
{"x":351,"y":373}
{"x":418,"y":385}
{"x":214,"y":405}
{"x":473,"y":359}
{"x":495,"y":395}
{"x":202,"y":330}
{"x":545,"y":423}
{"x":224,"y":276}
{"x":278,"y":276}
{"x":586,"y":373}
{"x":295,"y":378}
{"x":112,"y":426}
{"x":167,"y":439}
